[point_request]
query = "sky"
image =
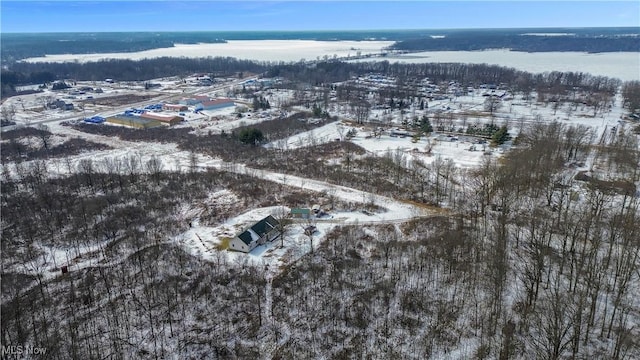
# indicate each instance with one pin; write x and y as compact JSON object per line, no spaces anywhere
{"x":169,"y":15}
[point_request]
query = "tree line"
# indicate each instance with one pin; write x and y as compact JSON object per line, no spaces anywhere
{"x":483,"y":40}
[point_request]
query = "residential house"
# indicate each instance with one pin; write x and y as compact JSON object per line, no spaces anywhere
{"x":204,"y":82}
{"x":265,"y":230}
{"x":60,"y":104}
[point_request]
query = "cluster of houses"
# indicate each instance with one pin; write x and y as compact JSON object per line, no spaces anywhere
{"x":433,"y":91}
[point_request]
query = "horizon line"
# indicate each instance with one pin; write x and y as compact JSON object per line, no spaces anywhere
{"x":322,"y":30}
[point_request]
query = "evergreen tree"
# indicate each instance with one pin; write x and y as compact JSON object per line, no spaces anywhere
{"x":260,"y":103}
{"x":250,"y":136}
{"x":425,"y":125}
{"x":317,"y":111}
{"x":500,"y":136}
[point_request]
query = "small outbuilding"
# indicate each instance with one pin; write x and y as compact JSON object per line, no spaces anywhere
{"x":300,"y":213}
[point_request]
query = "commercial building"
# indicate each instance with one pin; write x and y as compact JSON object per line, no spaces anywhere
{"x":134,"y":121}
{"x":194,"y":100}
{"x":215,"y":104}
{"x":174,"y":107}
{"x":165,"y":119}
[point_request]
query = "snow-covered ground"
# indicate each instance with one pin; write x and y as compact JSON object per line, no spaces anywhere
{"x":464,"y":151}
{"x":202,"y":240}
{"x":205,"y":241}
{"x":458,"y":151}
{"x":262,"y":50}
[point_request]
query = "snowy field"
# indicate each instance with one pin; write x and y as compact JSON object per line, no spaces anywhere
{"x":464,"y":151}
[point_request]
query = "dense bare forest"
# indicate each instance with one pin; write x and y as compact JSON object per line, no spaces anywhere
{"x":533,"y":261}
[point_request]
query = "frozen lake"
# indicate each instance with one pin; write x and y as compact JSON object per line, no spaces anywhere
{"x":261,"y":50}
{"x":622,"y":65}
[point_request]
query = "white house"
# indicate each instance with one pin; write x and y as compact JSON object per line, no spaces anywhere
{"x":265,"y":230}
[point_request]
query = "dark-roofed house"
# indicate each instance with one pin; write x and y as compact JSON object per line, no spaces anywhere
{"x":265,"y":230}
{"x":60,"y":104}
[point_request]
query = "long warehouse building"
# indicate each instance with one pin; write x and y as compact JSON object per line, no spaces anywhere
{"x":165,"y":119}
{"x":133,"y":121}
